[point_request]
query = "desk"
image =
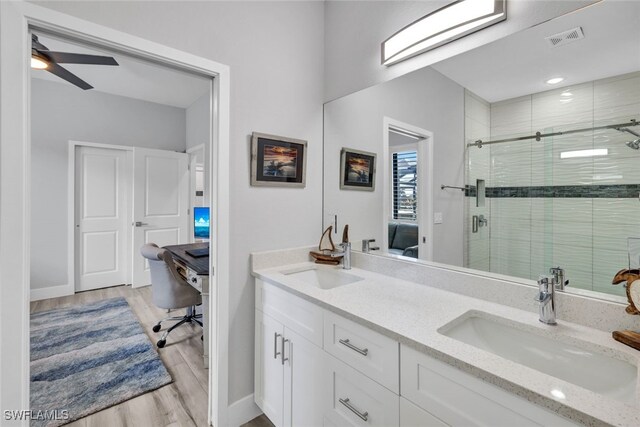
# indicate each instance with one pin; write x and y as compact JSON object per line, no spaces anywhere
{"x":196,"y":272}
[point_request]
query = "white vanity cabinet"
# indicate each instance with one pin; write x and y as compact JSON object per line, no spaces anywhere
{"x":288,"y":360}
{"x":316,"y":368}
{"x":288,"y":375}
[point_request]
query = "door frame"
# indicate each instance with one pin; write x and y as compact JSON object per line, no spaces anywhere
{"x":71,"y":207}
{"x":16,"y":20}
{"x":425,"y":192}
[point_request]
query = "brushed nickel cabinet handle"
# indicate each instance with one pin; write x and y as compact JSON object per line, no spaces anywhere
{"x":284,"y":341}
{"x":346,"y":343}
{"x":363,"y":415}
{"x":276,"y":353}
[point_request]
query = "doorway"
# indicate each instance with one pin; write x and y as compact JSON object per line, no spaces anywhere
{"x":408,"y":188}
{"x":15,"y":196}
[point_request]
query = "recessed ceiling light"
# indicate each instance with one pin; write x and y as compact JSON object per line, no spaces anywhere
{"x":38,"y":63}
{"x":566,"y":93}
{"x":555,"y":80}
{"x":558,"y":394}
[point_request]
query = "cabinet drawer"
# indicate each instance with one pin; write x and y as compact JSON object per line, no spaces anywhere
{"x":373,"y":354}
{"x":352,"y":399}
{"x":458,"y":398}
{"x":302,"y":317}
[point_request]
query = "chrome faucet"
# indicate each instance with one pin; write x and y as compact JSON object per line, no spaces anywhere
{"x":546,"y":297}
{"x":366,"y":246}
{"x":345,"y":253}
{"x":558,"y":275}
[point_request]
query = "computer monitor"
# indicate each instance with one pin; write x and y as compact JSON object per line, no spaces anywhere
{"x":201,"y":222}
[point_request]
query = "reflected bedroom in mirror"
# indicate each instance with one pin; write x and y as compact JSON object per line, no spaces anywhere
{"x":515,"y":158}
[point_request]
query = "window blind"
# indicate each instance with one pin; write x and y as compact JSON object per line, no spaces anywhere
{"x":405,"y":200}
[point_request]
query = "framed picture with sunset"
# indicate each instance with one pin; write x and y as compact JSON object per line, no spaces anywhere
{"x":278,"y":161}
{"x":357,"y":170}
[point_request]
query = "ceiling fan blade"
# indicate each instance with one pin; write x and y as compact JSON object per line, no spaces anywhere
{"x":79,"y":58}
{"x":65,"y":74}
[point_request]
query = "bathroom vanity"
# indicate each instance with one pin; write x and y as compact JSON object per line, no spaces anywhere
{"x":338,"y":347}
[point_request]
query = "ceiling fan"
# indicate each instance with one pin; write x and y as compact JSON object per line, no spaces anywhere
{"x":44,"y":59}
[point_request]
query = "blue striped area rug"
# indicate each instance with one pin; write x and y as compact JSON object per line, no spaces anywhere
{"x":87,"y":358}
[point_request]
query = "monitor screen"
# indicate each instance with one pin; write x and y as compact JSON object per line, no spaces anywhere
{"x":201,"y":222}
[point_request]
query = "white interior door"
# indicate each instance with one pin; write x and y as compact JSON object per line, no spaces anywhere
{"x":102,"y":183}
{"x":160,"y":204}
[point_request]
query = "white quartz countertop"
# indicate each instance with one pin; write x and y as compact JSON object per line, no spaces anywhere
{"x":413,"y":313}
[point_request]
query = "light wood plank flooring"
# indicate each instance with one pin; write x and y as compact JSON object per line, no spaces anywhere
{"x":181,"y":403}
{"x":261,"y":421}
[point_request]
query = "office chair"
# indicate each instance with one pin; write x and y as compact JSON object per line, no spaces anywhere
{"x":169,"y":289}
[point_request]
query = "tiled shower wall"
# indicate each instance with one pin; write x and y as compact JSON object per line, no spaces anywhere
{"x":532,"y":225}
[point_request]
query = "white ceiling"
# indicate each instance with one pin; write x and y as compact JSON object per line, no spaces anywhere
{"x":133,"y":78}
{"x":520,"y":64}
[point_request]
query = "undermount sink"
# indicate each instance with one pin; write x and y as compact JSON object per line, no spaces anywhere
{"x":323,"y":278}
{"x":585,"y":368}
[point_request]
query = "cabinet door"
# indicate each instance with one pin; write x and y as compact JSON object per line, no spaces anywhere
{"x":269,"y":370}
{"x":413,"y":416}
{"x":303,"y":381}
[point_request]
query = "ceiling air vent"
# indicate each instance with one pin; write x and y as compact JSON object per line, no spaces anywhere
{"x":565,"y":37}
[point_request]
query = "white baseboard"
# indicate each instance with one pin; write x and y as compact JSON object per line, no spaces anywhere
{"x":242,"y":411}
{"x":51,"y":292}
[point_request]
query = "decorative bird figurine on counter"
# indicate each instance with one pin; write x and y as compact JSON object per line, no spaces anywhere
{"x":633,"y":289}
{"x":632,"y":279}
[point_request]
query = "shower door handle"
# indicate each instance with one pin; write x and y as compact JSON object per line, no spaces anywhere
{"x":474,"y":224}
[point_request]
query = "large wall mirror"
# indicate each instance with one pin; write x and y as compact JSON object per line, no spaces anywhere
{"x":511,"y":159}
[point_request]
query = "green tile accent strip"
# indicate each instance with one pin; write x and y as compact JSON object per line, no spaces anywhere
{"x":606,"y":191}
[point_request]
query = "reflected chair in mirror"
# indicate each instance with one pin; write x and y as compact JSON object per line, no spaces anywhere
{"x":169,"y":290}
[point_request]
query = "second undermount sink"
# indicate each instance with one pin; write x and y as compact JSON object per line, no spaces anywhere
{"x":576,"y":364}
{"x":323,"y":278}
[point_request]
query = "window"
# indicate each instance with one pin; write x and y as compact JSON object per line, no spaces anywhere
{"x":404,"y":170}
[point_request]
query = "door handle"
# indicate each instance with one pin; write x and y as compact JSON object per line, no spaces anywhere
{"x":139,"y":223}
{"x":474,"y":223}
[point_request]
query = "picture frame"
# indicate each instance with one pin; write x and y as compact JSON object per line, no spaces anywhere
{"x":357,"y":170}
{"x":278,"y":161}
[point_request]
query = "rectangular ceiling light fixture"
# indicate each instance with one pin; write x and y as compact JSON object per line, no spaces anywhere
{"x":584,"y":153}
{"x":446,"y":24}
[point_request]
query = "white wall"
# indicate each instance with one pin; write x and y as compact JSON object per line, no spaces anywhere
{"x":61,"y":113}
{"x":198,"y":130}
{"x":425,"y":99}
{"x":275,"y":52}
{"x":355,"y":29}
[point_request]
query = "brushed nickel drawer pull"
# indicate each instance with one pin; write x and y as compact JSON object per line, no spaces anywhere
{"x":284,"y":341}
{"x":276,"y":353}
{"x":346,"y":342}
{"x":363,"y":416}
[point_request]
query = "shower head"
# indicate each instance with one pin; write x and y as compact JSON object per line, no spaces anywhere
{"x":635,"y":144}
